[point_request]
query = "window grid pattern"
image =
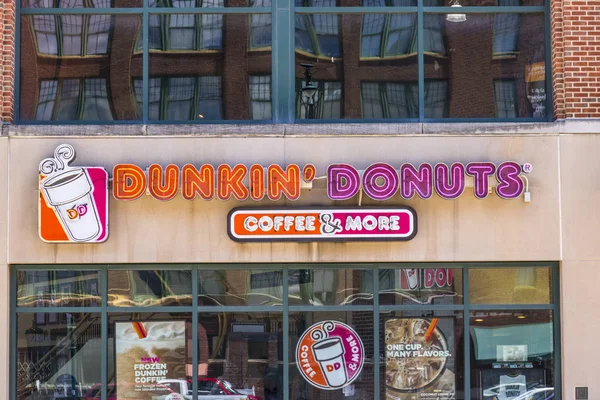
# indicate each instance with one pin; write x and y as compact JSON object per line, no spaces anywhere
{"x":401,"y":99}
{"x":72,"y":35}
{"x":74,"y":99}
{"x":319,"y":34}
{"x":287,"y":282}
{"x":182,"y":98}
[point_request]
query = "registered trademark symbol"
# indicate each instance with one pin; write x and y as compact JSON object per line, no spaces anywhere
{"x":527,"y":168}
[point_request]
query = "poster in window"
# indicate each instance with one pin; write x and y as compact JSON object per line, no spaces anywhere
{"x":147,"y":354}
{"x":420,"y":359}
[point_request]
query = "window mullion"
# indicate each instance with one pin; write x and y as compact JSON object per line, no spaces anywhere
{"x":195,"y":98}
{"x":85,"y":29}
{"x":198,"y":30}
{"x":385,"y":35}
{"x":59,"y":35}
{"x":81,"y":99}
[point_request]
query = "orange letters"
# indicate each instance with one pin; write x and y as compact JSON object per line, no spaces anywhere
{"x":129,"y":182}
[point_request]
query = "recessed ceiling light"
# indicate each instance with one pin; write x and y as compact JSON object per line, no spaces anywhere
{"x":479,"y":320}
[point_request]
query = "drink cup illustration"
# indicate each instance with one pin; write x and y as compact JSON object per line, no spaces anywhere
{"x":330,"y":355}
{"x":69,"y":192}
{"x":412,"y":277}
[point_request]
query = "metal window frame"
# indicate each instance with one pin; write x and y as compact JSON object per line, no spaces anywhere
{"x":285,"y":309}
{"x":283,"y":56}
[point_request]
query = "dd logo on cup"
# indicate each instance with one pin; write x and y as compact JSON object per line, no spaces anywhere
{"x":73,"y":205}
{"x":330,"y":355}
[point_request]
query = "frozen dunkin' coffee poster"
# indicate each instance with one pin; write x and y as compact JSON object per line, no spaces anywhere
{"x":420,"y":361}
{"x":148,"y":353}
{"x":73,"y":201}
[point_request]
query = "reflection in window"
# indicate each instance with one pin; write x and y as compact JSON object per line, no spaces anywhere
{"x":393,"y":35}
{"x":182,"y":98}
{"x":60,"y":360}
{"x":318,"y":34}
{"x":41,"y":288}
{"x":401,"y":99}
{"x":328,"y":104}
{"x":186,"y":32}
{"x":260,"y":97}
{"x":72,"y":35}
{"x":187,"y":3}
{"x":68,"y":3}
{"x":388,"y":35}
{"x":260,"y":26}
{"x":506,"y":31}
{"x":149,"y":288}
{"x":74,"y":99}
{"x":506,"y":98}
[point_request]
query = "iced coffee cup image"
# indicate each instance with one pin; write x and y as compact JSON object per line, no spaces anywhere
{"x":70,"y":193}
{"x":146,"y":354}
{"x":330,"y":355}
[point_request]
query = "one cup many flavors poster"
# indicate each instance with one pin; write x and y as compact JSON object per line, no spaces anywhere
{"x":420,"y":361}
{"x":148,"y":353}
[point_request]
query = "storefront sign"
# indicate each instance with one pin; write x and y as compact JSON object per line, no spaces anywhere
{"x":322,"y":224}
{"x":420,"y":360}
{"x":73,"y":201}
{"x":148,"y":353}
{"x":330,"y":355}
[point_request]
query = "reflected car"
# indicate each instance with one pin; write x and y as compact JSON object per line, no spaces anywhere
{"x":539,"y":393}
{"x":163,"y":392}
{"x":210,"y":387}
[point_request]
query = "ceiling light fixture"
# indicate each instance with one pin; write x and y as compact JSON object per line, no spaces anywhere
{"x":456,"y":17}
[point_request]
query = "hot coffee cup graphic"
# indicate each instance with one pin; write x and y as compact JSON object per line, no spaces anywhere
{"x":72,"y":195}
{"x":330,"y":355}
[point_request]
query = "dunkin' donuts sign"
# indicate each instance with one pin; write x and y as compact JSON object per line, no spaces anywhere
{"x":330,"y":355}
{"x":73,"y":201}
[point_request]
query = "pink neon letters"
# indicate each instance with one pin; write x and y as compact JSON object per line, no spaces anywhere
{"x":380,"y":181}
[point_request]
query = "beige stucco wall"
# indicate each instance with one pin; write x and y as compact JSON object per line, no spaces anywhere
{"x":560,"y":223}
{"x":147,"y":230}
{"x":4,"y":271}
{"x":580,"y":273}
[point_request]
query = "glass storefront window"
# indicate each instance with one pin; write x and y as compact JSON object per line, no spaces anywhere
{"x":352,"y":357}
{"x":422,"y":354}
{"x":420,"y":286}
{"x":237,"y":287}
{"x":389,"y":331}
{"x":320,"y":287}
{"x":150,"y":355}
{"x":56,"y":288}
{"x":512,"y":354}
{"x":58,"y":355}
{"x":240,"y":354}
{"x":510,"y":285}
{"x":146,"y":288}
{"x":212,"y":60}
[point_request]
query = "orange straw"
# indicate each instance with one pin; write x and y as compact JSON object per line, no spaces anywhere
{"x":139,"y":328}
{"x":429,"y":333}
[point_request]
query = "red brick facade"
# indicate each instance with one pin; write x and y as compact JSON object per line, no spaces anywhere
{"x":7,"y":59}
{"x":575,"y":53}
{"x":576,"y":44}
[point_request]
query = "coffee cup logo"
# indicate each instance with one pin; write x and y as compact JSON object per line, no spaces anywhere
{"x":330,"y":355}
{"x":73,"y":204}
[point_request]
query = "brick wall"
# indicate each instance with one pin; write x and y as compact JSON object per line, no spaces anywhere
{"x":7,"y":57}
{"x":576,"y":43}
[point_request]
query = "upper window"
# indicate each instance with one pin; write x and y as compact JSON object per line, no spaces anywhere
{"x":177,"y":61}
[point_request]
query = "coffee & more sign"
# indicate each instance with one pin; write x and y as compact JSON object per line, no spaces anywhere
{"x":73,"y":201}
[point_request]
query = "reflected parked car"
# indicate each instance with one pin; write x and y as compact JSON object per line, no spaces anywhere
{"x":539,"y":393}
{"x":208,"y":389}
{"x":162,"y":392}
